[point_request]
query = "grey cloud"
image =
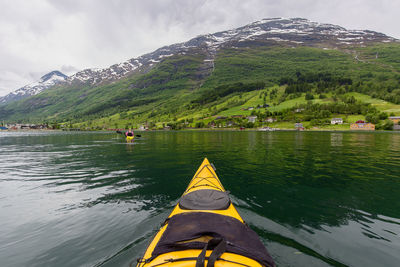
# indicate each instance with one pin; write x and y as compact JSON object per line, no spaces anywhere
{"x":43,"y":35}
{"x":68,"y":70}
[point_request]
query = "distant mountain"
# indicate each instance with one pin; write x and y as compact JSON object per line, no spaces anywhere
{"x":296,"y":31}
{"x":165,"y":83}
{"x":45,"y":82}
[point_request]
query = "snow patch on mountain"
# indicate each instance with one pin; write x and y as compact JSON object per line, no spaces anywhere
{"x":293,"y":32}
{"x":45,"y":82}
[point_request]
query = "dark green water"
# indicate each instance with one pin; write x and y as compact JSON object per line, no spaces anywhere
{"x":89,"y":199}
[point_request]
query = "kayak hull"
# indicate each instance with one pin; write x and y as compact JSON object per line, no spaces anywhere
{"x":129,"y":138}
{"x":204,"y":190}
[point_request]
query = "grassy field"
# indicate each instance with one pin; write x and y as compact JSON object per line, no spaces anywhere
{"x":381,"y":105}
{"x":249,"y":99}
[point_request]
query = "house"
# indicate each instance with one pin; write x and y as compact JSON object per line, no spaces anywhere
{"x":336,"y":121}
{"x":252,"y":119}
{"x":298,"y":110}
{"x":262,"y":106}
{"x":362,"y":125}
{"x":143,"y":128}
{"x":270,"y":119}
{"x":250,"y":108}
{"x":221,"y":118}
{"x":212,"y":124}
{"x":299,"y":126}
{"x":229,"y":123}
{"x":394,"y":119}
{"x":237,"y":116}
{"x":396,"y":127}
{"x":14,"y":126}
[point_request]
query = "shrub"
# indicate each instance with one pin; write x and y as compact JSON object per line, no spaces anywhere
{"x":199,"y":124}
{"x":383,"y":116}
{"x":309,"y":96}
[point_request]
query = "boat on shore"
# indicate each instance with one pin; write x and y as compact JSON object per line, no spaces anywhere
{"x":267,"y":129}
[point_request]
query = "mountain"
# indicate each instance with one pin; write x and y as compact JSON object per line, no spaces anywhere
{"x":200,"y":77}
{"x":46,"y":81}
{"x":295,"y":31}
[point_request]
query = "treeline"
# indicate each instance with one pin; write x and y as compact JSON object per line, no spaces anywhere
{"x":347,"y":107}
{"x":323,"y":77}
{"x":380,"y":86}
{"x":227,"y":89}
{"x":305,"y":82}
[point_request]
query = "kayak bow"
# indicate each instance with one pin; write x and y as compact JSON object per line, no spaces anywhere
{"x":205,"y":229}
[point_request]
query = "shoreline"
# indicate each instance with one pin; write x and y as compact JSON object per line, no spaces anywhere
{"x":207,"y":130}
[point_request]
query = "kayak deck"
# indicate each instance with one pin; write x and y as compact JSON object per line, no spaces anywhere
{"x":205,"y":226}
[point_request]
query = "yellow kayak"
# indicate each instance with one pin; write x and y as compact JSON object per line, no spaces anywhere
{"x":205,"y":229}
{"x":129,"y":138}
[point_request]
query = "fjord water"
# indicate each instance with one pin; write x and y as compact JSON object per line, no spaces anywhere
{"x":90,"y":199}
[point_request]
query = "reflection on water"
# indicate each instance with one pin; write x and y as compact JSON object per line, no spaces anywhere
{"x":336,"y":139}
{"x":315,"y":198}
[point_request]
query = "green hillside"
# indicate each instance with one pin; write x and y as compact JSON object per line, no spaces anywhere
{"x":179,"y":92}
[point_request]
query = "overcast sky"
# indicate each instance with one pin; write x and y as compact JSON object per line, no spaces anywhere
{"x":38,"y":36}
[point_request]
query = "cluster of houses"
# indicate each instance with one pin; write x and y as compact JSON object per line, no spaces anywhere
{"x":230,"y":123}
{"x":358,"y":125}
{"x":18,"y":126}
{"x":362,"y":125}
{"x":254,"y":118}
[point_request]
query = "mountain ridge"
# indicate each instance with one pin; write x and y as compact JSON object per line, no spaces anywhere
{"x":45,"y":82}
{"x":277,"y":29}
{"x":161,"y":82}
{"x":215,"y":40}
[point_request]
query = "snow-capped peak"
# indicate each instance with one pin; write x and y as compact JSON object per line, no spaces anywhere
{"x":294,"y":31}
{"x":46,"y":81}
{"x":269,"y":31}
{"x":53,"y":77}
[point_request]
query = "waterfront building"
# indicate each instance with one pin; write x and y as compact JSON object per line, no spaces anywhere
{"x":362,"y":125}
{"x":336,"y":121}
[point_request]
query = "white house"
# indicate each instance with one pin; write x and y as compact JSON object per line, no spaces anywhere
{"x":143,"y":128}
{"x":270,"y":119}
{"x":252,"y":118}
{"x":336,"y":121}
